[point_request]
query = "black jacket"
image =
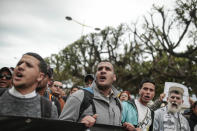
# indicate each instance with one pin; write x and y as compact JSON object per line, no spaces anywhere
{"x":192,"y":121}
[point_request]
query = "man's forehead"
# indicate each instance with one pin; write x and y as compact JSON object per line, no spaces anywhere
{"x":29,"y":57}
{"x":105,"y":64}
{"x":57,"y":82}
{"x":75,"y":88}
{"x":175,"y":94}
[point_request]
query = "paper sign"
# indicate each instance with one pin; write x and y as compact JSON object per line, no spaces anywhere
{"x":186,"y":103}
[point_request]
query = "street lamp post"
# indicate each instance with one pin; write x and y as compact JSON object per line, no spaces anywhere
{"x":83,"y":25}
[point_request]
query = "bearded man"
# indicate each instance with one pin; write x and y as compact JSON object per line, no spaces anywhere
{"x":169,"y":118}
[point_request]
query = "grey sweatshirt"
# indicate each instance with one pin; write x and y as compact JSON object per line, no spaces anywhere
{"x":107,"y":109}
{"x":26,"y":107}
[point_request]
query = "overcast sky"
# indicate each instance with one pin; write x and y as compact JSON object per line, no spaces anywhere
{"x":40,"y":26}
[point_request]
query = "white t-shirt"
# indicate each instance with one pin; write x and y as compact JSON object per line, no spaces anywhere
{"x":144,"y":116}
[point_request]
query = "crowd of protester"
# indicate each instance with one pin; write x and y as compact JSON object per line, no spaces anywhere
{"x":29,"y":90}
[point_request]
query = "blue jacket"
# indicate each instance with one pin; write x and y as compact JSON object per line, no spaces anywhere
{"x":130,"y":113}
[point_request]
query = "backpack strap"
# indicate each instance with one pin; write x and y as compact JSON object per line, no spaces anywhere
{"x":118,"y":103}
{"x":2,"y":90}
{"x":87,"y":101}
{"x":46,"y":107}
{"x":152,"y":117}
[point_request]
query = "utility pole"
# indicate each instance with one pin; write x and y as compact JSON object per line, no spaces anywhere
{"x":83,"y":25}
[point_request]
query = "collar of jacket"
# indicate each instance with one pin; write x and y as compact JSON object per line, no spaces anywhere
{"x":98,"y":94}
{"x":132,"y":101}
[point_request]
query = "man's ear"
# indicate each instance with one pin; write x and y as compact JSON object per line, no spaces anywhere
{"x":41,"y":76}
{"x":114,"y":77}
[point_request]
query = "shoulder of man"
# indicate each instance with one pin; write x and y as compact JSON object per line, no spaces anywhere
{"x":78,"y":95}
{"x":132,"y":102}
{"x":183,"y":117}
{"x":129,"y":105}
{"x":2,"y":90}
{"x":160,"y":111}
{"x":87,"y":101}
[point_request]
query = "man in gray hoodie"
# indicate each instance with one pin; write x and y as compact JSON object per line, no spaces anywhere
{"x":104,"y":99}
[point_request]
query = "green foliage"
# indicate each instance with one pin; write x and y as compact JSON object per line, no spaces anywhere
{"x":147,"y":54}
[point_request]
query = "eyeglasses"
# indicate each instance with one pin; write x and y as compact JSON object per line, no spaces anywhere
{"x":58,"y":86}
{"x":8,"y":77}
{"x":124,"y":95}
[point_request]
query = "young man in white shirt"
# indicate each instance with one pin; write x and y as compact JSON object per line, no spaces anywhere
{"x":136,"y":116}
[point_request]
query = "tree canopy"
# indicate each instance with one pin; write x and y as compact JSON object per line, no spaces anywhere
{"x":138,"y":51}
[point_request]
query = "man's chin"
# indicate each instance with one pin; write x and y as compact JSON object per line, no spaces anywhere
{"x":3,"y":85}
{"x":18,"y":85}
{"x":103,"y":86}
{"x":101,"y":83}
{"x":174,"y":109}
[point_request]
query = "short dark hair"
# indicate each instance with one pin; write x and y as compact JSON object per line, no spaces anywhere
{"x":89,"y":77}
{"x":42,"y":64}
{"x":49,"y":71}
{"x":6,"y":69}
{"x":194,"y":105}
{"x":146,"y":80}
{"x":74,"y":87}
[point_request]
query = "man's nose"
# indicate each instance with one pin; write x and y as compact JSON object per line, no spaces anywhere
{"x":148,"y":91}
{"x":21,"y":66}
{"x":103,"y":71}
{"x":3,"y":77}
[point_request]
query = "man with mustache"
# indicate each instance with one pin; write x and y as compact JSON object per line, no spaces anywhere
{"x":104,"y":98}
{"x":21,"y":99}
{"x":136,"y":116}
{"x":169,"y":118}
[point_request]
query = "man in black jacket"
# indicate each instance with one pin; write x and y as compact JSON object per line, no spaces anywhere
{"x":193,"y":118}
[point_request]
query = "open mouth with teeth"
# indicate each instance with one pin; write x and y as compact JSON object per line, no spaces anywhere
{"x":102,"y":78}
{"x":18,"y":75}
{"x":147,"y":97}
{"x":174,"y":104}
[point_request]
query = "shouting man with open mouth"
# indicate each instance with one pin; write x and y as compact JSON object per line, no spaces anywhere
{"x":169,"y":118}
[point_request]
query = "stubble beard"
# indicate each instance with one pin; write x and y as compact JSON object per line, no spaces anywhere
{"x":103,"y":88}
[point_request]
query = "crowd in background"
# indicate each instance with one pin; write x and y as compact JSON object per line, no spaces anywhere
{"x":20,"y":86}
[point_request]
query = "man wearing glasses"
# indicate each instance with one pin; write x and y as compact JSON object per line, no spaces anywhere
{"x":5,"y":77}
{"x":56,"y":91}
